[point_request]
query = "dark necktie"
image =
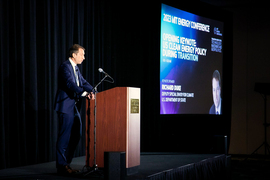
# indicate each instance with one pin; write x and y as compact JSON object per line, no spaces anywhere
{"x":77,"y":75}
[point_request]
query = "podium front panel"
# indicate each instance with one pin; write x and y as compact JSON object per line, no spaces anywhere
{"x":117,"y":128}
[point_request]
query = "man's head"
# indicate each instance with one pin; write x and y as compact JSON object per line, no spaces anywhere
{"x":76,"y":53}
{"x":216,"y":88}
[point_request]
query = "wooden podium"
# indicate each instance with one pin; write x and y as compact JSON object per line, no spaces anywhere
{"x":117,"y":125}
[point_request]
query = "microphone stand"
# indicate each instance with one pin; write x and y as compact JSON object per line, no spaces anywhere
{"x":265,"y":124}
{"x":95,"y":167}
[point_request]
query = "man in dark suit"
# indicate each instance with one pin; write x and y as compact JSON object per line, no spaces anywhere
{"x":216,"y":89}
{"x":72,"y":87}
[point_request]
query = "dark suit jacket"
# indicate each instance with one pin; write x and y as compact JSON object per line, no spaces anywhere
{"x":213,"y":109}
{"x":68,"y":92}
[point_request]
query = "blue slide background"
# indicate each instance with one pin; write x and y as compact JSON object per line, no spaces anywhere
{"x":194,"y":77}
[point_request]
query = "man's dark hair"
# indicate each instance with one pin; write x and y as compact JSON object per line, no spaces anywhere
{"x":216,"y":75}
{"x":74,"y":49}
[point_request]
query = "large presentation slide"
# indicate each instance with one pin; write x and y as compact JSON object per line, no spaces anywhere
{"x":191,"y":59}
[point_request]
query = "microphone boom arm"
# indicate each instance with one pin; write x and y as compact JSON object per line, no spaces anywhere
{"x":95,"y":88}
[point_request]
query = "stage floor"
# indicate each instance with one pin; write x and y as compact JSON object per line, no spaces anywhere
{"x":151,"y":164}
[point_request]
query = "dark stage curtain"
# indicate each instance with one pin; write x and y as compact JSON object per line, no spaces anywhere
{"x":212,"y":169}
{"x":34,"y":39}
{"x":209,"y":169}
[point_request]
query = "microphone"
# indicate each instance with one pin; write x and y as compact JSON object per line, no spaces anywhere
{"x":106,"y":75}
{"x":101,"y":70}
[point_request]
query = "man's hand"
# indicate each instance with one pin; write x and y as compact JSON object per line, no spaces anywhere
{"x":91,"y":96}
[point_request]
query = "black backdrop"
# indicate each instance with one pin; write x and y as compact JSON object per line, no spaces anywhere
{"x":122,"y":38}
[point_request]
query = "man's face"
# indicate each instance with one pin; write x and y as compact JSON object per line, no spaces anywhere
{"x":216,"y":92}
{"x":79,"y":57}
